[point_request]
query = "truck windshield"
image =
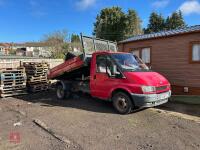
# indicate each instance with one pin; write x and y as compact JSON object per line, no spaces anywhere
{"x":129,"y":62}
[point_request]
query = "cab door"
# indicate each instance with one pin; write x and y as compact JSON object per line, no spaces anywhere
{"x":102,"y":80}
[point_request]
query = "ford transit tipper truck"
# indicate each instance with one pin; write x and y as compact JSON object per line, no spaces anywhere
{"x":118,"y":77}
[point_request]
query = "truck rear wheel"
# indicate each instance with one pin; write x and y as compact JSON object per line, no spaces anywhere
{"x":122,"y":103}
{"x":62,"y":93}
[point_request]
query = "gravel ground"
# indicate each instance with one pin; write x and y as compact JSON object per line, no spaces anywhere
{"x":93,"y":124}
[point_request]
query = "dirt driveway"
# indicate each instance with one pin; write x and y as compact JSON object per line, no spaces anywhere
{"x":90,"y":124}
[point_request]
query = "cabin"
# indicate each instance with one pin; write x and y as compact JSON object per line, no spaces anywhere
{"x":174,"y":54}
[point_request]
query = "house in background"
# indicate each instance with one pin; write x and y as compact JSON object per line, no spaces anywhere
{"x":174,"y":53}
{"x":4,"y":48}
{"x":21,"y":52}
{"x":32,"y":49}
{"x":37,"y":49}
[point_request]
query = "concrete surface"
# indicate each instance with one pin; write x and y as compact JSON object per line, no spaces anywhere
{"x":93,"y":125}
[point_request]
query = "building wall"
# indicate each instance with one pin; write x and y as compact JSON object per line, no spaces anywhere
{"x":3,"y":50}
{"x":170,"y":57}
{"x":14,"y":61}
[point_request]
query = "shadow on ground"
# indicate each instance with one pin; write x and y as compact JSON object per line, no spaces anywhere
{"x":84,"y":102}
{"x":189,"y":109}
{"x":80,"y":101}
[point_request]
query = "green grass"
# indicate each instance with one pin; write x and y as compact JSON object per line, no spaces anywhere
{"x":186,"y":99}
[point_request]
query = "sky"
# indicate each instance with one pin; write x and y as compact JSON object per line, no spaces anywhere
{"x":30,"y":20}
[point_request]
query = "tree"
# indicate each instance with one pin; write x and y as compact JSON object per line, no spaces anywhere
{"x":75,"y":45}
{"x":110,"y":23}
{"x":75,"y":38}
{"x":175,"y":21}
{"x":57,"y":43}
{"x":156,"y":23}
{"x":133,"y":26}
{"x":113,"y":24}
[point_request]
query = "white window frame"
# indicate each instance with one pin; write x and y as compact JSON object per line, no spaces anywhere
{"x":143,"y":57}
{"x":195,"y":53}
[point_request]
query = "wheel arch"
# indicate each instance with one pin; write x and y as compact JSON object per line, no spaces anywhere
{"x":123,"y":91}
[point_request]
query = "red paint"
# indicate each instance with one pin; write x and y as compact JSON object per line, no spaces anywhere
{"x":102,"y":86}
{"x":67,"y":66}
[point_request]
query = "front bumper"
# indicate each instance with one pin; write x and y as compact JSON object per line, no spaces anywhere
{"x":150,"y":100}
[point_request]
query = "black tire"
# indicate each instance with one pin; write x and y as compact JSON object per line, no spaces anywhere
{"x":122,"y":103}
{"x":62,"y":93}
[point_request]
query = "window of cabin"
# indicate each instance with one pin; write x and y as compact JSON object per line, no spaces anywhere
{"x":146,"y":55}
{"x":196,"y":52}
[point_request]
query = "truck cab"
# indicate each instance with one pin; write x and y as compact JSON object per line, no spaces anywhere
{"x":121,"y":78}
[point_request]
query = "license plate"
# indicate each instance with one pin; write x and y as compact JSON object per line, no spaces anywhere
{"x":163,"y":96}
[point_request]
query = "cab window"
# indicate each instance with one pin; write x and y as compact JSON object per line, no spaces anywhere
{"x":101,"y":64}
{"x":104,"y":64}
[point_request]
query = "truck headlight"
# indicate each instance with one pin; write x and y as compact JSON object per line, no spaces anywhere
{"x":147,"y":89}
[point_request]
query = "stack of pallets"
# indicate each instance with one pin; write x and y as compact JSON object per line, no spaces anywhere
{"x":12,"y":81}
{"x":36,"y":76}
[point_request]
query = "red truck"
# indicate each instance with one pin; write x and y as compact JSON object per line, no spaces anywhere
{"x":104,"y":73}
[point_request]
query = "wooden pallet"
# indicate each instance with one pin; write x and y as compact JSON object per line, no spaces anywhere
{"x":36,"y":73}
{"x":37,"y":82}
{"x":11,"y":87}
{"x":36,"y":65}
{"x":38,"y":87}
{"x":15,"y":93}
{"x":7,"y":91}
{"x":34,"y":79}
{"x":12,"y":70}
{"x":37,"y":79}
{"x":37,"y":68}
{"x":12,"y":76}
{"x":36,"y":76}
{"x":12,"y":81}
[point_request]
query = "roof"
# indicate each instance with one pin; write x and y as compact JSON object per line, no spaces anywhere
{"x":190,"y":29}
{"x":5,"y":44}
{"x":31,"y":44}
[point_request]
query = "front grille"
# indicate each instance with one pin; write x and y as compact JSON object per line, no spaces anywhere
{"x":161,"y":88}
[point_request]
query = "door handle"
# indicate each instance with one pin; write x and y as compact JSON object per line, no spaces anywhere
{"x":95,"y":77}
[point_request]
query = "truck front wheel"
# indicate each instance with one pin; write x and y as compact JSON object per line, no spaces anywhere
{"x":61,"y":92}
{"x":122,"y":103}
